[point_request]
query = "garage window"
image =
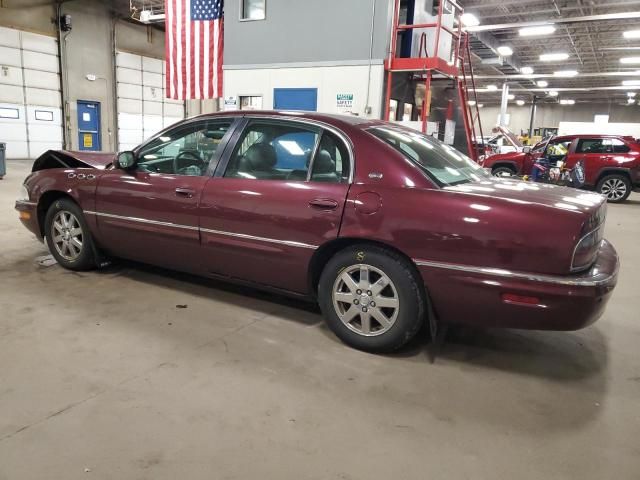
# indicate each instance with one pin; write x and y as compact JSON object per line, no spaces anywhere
{"x":9,"y":113}
{"x":253,"y":9}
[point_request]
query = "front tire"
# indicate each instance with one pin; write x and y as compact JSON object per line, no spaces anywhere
{"x":372,"y":298}
{"x":616,"y":188}
{"x":68,"y":236}
{"x":503,"y":172}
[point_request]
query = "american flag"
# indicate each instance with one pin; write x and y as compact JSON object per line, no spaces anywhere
{"x":194,"y":46}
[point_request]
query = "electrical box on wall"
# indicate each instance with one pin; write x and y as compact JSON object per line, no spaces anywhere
{"x":65,"y":22}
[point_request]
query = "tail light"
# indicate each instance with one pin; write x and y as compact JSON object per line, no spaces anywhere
{"x":586,"y":250}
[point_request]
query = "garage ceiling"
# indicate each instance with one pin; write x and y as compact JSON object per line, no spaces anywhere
{"x":594,"y":47}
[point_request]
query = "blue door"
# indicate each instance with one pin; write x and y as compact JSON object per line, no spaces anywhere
{"x":295,"y":99}
{"x":89,"y":125}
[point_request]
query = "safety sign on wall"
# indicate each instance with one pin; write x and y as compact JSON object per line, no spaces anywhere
{"x":344,"y":100}
{"x":231,"y":103}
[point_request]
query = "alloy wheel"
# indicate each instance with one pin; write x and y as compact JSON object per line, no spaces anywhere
{"x":365,"y":300}
{"x":67,"y":235}
{"x":613,"y":189}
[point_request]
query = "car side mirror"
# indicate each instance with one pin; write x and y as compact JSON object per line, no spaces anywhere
{"x":126,"y":160}
{"x":526,"y":149}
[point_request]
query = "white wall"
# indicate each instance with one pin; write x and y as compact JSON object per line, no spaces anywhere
{"x":330,"y":81}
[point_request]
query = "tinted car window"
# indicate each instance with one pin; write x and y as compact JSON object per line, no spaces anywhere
{"x":331,"y":163}
{"x":184,"y":150}
{"x":273,"y":151}
{"x":590,"y":145}
{"x":443,"y":164}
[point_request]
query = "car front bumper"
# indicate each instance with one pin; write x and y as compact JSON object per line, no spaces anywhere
{"x":485,"y":296}
{"x":28,"y":213}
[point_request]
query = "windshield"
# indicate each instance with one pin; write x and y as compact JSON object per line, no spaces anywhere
{"x":442,"y":163}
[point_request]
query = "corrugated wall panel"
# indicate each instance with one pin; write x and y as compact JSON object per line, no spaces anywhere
{"x":142,"y":78}
{"x":30,"y":86}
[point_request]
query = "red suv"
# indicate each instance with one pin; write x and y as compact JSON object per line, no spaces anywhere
{"x":612,"y":163}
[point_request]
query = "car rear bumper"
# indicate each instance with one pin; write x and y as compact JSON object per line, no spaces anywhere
{"x":28,"y":213}
{"x":500,"y":298}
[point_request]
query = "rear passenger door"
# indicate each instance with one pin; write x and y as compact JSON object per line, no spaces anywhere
{"x":277,"y":195}
{"x":593,"y":152}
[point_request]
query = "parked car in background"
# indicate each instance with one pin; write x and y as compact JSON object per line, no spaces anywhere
{"x":612,"y":163}
{"x":383,"y":226}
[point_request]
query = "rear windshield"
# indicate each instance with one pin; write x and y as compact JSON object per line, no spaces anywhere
{"x":442,"y":163}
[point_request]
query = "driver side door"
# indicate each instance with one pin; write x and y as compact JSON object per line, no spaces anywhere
{"x":150,"y":212}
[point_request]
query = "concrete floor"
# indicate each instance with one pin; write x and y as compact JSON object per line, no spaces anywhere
{"x":102,"y":376}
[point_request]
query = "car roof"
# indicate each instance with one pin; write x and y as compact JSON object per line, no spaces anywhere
{"x":586,"y":135}
{"x":335,"y":120}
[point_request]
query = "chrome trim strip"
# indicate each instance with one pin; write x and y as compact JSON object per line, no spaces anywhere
{"x":141,"y":220}
{"x":26,"y":202}
{"x":289,"y":243}
{"x":593,"y":281}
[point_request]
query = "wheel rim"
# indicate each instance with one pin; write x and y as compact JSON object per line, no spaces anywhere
{"x":67,"y":236}
{"x":365,"y":300}
{"x":503,"y":173}
{"x":614,"y":189}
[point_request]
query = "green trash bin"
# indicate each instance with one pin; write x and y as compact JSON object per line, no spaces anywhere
{"x":3,"y":165}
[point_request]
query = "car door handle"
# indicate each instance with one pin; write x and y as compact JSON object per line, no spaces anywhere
{"x":323,"y":203}
{"x":185,"y":192}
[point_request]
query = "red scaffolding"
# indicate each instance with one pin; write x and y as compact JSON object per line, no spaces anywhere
{"x":458,"y":67}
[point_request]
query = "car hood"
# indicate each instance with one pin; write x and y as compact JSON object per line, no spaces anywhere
{"x":531,"y":193}
{"x":71,"y":159}
{"x":91,"y":159}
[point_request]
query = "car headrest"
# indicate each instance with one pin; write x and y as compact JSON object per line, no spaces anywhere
{"x":324,"y":163}
{"x":262,"y":156}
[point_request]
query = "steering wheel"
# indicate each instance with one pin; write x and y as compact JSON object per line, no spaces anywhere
{"x":185,"y":153}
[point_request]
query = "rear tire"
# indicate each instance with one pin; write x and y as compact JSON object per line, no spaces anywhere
{"x":503,"y":172}
{"x":68,"y":236}
{"x":615,"y":187}
{"x":372,"y":298}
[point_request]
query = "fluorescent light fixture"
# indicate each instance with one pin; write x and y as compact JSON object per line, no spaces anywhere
{"x":565,"y":73}
{"x":471,"y":103}
{"x":469,"y":20}
{"x":631,"y":94}
{"x":553,"y":57}
{"x":505,"y":51}
{"x":631,"y":83}
{"x":542,"y":83}
{"x":567,"y":101}
{"x":540,"y":30}
{"x":631,"y":34}
{"x":553,"y":93}
{"x":526,"y":70}
{"x":520,"y":102}
{"x":292,"y":147}
{"x":480,"y":105}
{"x":630,"y":60}
{"x":492,"y":88}
{"x":511,"y":96}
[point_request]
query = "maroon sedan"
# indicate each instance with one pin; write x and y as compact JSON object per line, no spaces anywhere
{"x":387,"y":228}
